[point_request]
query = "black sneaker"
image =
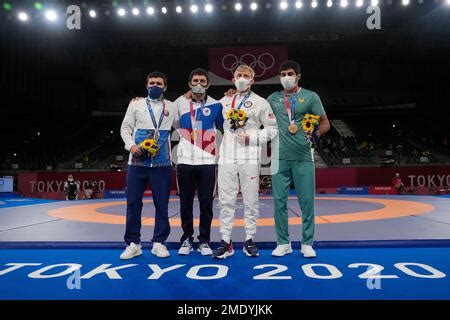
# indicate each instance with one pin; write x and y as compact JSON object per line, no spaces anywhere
{"x":224,"y":250}
{"x":250,"y":249}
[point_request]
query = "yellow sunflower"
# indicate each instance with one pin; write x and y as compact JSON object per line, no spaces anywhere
{"x":230,"y":114}
{"x":315,"y":117}
{"x":150,"y":146}
{"x":241,"y":115}
{"x":147,"y":144}
{"x":155,"y":149}
{"x":307,"y":125}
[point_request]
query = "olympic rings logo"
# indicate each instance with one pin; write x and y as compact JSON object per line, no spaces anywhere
{"x":260,"y":65}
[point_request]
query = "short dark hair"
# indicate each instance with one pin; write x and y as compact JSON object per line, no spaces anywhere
{"x":157,"y":74}
{"x":290,"y":64}
{"x":199,"y":72}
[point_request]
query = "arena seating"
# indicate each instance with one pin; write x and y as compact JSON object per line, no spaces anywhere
{"x":91,"y":144}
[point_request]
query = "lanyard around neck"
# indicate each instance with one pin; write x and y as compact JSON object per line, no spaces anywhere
{"x":152,"y":115}
{"x":290,"y":106}
{"x":242,"y":101}
{"x":194,"y":114}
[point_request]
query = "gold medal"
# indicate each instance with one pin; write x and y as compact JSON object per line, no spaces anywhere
{"x":292,"y":128}
{"x":193,"y":135}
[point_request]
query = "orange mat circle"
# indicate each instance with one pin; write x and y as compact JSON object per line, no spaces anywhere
{"x":391,"y":209}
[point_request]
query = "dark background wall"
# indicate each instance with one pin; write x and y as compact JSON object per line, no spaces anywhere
{"x":50,"y":73}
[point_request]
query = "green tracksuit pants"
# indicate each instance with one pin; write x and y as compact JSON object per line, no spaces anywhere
{"x":302,"y":173}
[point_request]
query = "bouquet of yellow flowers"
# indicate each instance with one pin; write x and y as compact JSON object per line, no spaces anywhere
{"x":310,"y":123}
{"x":149,"y":147}
{"x":237,"y":118}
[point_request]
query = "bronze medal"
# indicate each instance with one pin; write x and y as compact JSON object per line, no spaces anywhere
{"x":292,"y":128}
{"x":193,"y":135}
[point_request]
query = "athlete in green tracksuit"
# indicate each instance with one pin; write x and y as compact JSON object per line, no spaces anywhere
{"x":292,"y":156}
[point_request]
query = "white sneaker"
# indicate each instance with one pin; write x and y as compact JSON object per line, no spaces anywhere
{"x":131,"y":251}
{"x":160,"y":250}
{"x":308,"y":251}
{"x":282,"y":249}
{"x":185,"y":248}
{"x":204,"y":249}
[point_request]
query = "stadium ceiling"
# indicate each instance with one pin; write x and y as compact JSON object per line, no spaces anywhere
{"x":208,"y":22}
{"x":52,"y":11}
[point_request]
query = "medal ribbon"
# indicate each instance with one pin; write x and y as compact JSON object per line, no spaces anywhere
{"x":290,"y":108}
{"x":195,"y":114}
{"x":152,"y":115}
{"x":242,"y":101}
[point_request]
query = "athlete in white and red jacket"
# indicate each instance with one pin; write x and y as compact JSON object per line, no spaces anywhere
{"x":200,"y":117}
{"x":239,"y":160}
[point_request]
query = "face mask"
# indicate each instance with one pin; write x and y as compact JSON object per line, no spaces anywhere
{"x":288,"y":82}
{"x":242,"y":84}
{"x":198,"y":89}
{"x":154,"y":92}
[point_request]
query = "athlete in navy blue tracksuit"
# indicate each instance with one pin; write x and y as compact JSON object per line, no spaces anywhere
{"x":146,"y":119}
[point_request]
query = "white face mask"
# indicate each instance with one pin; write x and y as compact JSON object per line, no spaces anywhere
{"x":198,"y":89}
{"x":288,"y":82}
{"x":242,"y":84}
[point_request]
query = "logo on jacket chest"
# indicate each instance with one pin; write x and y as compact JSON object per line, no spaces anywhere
{"x":299,"y":99}
{"x":206,"y":112}
{"x":248,"y":104}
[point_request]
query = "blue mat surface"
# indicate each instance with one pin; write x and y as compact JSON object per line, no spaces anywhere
{"x":409,"y":273}
{"x":17,"y":202}
{"x":32,"y":223}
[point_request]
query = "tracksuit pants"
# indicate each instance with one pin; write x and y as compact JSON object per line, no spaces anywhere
{"x":203,"y":179}
{"x":230,"y":176}
{"x":160,"y":179}
{"x":303,"y":176}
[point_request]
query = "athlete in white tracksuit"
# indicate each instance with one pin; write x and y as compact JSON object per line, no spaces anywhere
{"x":239,"y":164}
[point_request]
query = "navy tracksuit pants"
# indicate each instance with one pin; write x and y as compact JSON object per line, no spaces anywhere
{"x":202,"y":178}
{"x":160,"y":179}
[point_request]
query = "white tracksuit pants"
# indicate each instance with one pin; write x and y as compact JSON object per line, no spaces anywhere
{"x":230,"y":176}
